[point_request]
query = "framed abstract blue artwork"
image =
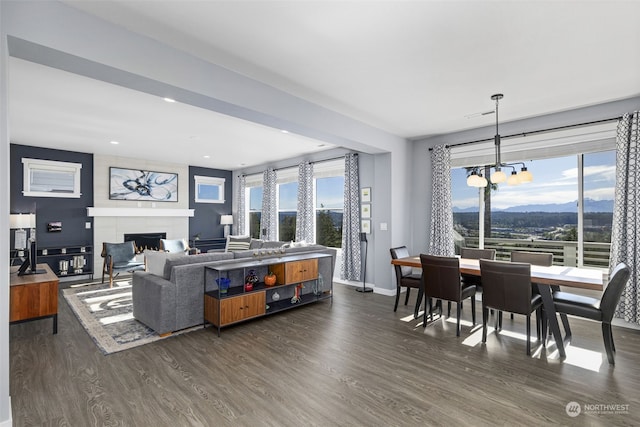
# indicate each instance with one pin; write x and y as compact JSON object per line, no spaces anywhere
{"x":134,"y":184}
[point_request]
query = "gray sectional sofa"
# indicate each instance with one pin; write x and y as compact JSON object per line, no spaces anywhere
{"x":171,"y":298}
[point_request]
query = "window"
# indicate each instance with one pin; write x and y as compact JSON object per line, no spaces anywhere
{"x":209,"y":189}
{"x":328,"y":195}
{"x":48,"y":178}
{"x":255,"y":211}
{"x":287,"y":209}
{"x":329,"y":210}
{"x":544,"y":215}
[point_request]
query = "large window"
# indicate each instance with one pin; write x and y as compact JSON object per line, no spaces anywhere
{"x":287,"y":208}
{"x":329,"y":209}
{"x":328,"y":203}
{"x":549,"y":214}
{"x":255,"y":211}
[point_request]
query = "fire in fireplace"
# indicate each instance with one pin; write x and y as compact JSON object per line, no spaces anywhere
{"x":145,"y":240}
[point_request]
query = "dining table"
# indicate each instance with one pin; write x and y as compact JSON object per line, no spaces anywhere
{"x":548,"y":280}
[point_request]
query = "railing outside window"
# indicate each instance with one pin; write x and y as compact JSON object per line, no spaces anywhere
{"x":564,"y":252}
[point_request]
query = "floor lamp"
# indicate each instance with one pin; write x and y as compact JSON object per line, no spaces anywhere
{"x":363,"y":239}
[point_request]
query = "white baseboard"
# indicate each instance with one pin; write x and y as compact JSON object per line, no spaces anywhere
{"x":381,"y":291}
{"x":8,"y":422}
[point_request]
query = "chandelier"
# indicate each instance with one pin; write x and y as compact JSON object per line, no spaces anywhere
{"x":476,"y":179}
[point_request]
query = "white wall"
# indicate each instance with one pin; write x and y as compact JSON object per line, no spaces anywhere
{"x":5,"y":399}
{"x":112,"y":229}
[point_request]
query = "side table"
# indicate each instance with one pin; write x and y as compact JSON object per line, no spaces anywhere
{"x":33,"y":296}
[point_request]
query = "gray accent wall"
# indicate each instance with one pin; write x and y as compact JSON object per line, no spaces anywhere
{"x":206,"y":220}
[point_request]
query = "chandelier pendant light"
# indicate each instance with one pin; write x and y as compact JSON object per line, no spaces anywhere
{"x":476,"y":179}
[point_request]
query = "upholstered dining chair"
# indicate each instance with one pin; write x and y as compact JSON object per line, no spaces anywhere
{"x":119,"y":257}
{"x":543,"y":259}
{"x":441,"y":280}
{"x":475,"y":253}
{"x":506,"y":286}
{"x":405,"y":278}
{"x":600,"y":310}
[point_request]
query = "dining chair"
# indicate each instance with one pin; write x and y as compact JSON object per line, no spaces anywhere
{"x":475,"y":253}
{"x":507,"y":287}
{"x":600,"y":310}
{"x":119,"y":257}
{"x":543,"y":259}
{"x":441,"y":280}
{"x":406,"y":278}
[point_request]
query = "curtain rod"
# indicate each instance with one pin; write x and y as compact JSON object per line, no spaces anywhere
{"x":534,"y":132}
{"x":289,"y":167}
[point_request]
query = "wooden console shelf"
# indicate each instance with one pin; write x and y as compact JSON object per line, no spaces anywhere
{"x":300,"y":279}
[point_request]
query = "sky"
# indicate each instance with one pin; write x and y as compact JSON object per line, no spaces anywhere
{"x":554,"y":181}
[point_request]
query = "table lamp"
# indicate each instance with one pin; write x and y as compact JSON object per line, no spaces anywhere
{"x":19,"y":222}
{"x":227,"y":221}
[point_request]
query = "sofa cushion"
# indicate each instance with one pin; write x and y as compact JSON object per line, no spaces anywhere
{"x":237,"y":243}
{"x":155,"y":260}
{"x":192,"y":259}
{"x":272,"y":244}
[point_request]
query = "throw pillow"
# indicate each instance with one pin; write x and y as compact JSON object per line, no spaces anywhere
{"x":238,"y":243}
{"x":255,"y":244}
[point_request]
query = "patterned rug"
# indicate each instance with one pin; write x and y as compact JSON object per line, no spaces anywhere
{"x":107,"y":316}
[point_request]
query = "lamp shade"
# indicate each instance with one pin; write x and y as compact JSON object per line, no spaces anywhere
{"x":513,"y":179}
{"x":22,"y":221}
{"x":226,"y":219}
{"x":498,"y":176}
{"x":524,"y":175}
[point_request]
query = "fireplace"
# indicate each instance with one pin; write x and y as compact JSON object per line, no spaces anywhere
{"x":145,"y":240}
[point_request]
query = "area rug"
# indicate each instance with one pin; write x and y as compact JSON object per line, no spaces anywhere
{"x":107,"y":316}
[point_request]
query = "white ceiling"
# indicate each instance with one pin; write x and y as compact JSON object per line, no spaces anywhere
{"x":411,"y":68}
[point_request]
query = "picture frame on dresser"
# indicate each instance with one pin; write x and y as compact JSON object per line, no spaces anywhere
{"x":142,"y":185}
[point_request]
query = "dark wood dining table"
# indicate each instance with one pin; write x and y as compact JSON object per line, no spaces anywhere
{"x":548,"y":280}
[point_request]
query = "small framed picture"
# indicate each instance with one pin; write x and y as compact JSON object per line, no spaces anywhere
{"x":365,"y":210}
{"x":365,"y":195}
{"x":366,"y":226}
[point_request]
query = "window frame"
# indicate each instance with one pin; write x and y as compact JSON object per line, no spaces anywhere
{"x":33,"y":166}
{"x":212,"y":181}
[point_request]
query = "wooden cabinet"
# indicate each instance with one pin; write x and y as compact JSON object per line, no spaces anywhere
{"x":298,"y":281}
{"x":241,"y":308}
{"x":34,"y":296}
{"x":296,"y":271}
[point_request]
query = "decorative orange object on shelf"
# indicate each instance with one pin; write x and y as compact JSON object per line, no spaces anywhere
{"x":270,"y":279}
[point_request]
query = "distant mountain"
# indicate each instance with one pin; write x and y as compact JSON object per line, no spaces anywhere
{"x":590,"y":205}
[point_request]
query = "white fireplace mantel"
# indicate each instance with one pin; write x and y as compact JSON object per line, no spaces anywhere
{"x":129,"y":212}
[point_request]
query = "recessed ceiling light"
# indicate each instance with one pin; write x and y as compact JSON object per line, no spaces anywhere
{"x":284,"y":131}
{"x":115,"y":142}
{"x":207,"y":156}
{"x":169,"y":100}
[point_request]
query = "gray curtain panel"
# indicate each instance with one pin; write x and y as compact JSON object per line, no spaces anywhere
{"x":351,"y":256}
{"x":626,"y":214}
{"x":441,"y":235}
{"x":241,"y":200}
{"x":305,"y":214}
{"x":269,"y":218}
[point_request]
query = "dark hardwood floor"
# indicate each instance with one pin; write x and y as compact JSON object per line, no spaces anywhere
{"x":353,"y":362}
